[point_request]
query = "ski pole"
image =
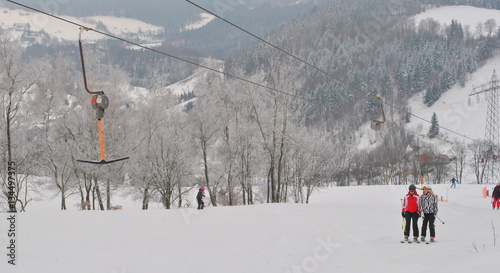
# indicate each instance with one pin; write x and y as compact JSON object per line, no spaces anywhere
{"x":440,"y":219}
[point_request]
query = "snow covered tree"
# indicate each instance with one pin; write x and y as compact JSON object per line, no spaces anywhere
{"x":55,"y":110}
{"x":490,"y":26}
{"x":455,"y":31}
{"x":434,"y":130}
{"x":478,"y":161}
{"x":407,"y":115}
{"x":432,"y":94}
{"x":460,"y":155}
{"x":447,"y":78}
{"x":17,"y":77}
{"x":161,"y":147}
{"x":205,"y":130}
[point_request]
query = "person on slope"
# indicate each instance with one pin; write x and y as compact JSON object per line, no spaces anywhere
{"x":411,"y":212}
{"x":453,"y":182}
{"x":496,"y":196}
{"x":428,"y":205}
{"x":199,"y":198}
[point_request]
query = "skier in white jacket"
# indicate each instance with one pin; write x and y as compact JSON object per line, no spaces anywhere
{"x":428,"y":205}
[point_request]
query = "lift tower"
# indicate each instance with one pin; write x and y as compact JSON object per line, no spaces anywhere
{"x":490,"y":90}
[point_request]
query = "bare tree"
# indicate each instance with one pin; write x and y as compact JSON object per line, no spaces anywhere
{"x":479,"y":30}
{"x":205,"y":132}
{"x":271,"y":117}
{"x":16,"y":80}
{"x":57,"y":140}
{"x":140,"y":176}
{"x":478,"y":160}
{"x":460,"y":156}
{"x":490,"y":26}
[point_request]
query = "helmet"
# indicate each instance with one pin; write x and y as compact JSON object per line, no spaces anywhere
{"x":412,"y":187}
{"x":202,"y":189}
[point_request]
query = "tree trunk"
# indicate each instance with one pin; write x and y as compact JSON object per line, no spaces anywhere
{"x":145,"y":199}
{"x":168,"y":204}
{"x":108,"y":194}
{"x":98,"y":192}
{"x":229,"y":186}
{"x":63,"y":203}
{"x":179,"y":196}
{"x":63,"y":196}
{"x":250,"y":195}
{"x":87,"y":197}
{"x":213,"y":194}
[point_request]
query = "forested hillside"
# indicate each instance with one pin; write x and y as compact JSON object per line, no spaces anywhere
{"x":374,"y":48}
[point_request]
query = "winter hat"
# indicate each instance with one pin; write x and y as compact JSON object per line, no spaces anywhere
{"x":427,"y":187}
{"x":412,"y":187}
{"x":202,"y":189}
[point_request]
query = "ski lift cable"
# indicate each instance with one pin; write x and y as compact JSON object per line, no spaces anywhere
{"x":156,"y":51}
{"x":225,"y":73}
{"x":322,"y":71}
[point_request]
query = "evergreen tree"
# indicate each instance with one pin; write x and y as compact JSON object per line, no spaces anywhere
{"x":407,"y":115}
{"x":456,"y":32}
{"x":447,"y":78}
{"x":434,"y":130}
{"x":386,"y":85}
{"x":432,"y":95}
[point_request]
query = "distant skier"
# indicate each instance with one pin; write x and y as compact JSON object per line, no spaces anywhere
{"x":411,"y":212}
{"x":428,"y":205}
{"x":453,"y":182}
{"x":199,"y":198}
{"x":496,"y":196}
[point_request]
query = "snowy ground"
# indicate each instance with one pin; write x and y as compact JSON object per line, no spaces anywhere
{"x":465,"y":15}
{"x":352,"y":229}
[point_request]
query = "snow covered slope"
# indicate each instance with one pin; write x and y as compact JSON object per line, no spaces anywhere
{"x":351,"y":229}
{"x":466,"y":15}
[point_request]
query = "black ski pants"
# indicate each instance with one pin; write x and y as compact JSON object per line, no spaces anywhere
{"x":428,"y":219}
{"x":201,"y":204}
{"x":411,"y":221}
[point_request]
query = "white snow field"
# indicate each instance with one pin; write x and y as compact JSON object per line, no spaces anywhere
{"x":343,"y":229}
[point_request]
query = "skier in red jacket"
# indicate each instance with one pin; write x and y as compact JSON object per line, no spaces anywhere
{"x":496,"y":196}
{"x":411,"y":212}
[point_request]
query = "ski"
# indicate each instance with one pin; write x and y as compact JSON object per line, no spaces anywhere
{"x":411,"y":242}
